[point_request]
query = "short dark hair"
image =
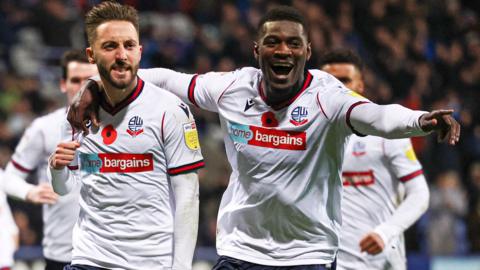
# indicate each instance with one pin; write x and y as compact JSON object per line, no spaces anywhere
{"x":108,"y":11}
{"x":344,"y":56}
{"x":283,"y":13}
{"x":72,"y":56}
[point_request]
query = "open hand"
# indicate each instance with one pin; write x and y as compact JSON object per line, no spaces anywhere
{"x":83,"y":112}
{"x":441,"y":121}
{"x":42,"y":193}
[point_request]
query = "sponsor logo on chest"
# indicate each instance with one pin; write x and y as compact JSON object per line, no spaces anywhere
{"x":267,"y":137}
{"x":365,"y":178}
{"x":116,"y":162}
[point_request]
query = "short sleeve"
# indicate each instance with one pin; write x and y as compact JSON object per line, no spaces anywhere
{"x":337,"y":102}
{"x":206,"y":90}
{"x":402,"y":158}
{"x":180,"y":138}
{"x":29,"y":152}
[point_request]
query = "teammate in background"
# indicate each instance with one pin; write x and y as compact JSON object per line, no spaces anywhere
{"x":16,"y":187}
{"x":384,"y":192}
{"x":36,"y":145}
{"x":284,"y":131}
{"x":139,"y":187}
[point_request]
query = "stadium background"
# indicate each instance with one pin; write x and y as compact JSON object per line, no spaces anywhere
{"x":424,"y":54}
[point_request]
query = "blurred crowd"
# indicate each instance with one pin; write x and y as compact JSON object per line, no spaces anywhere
{"x":421,"y":54}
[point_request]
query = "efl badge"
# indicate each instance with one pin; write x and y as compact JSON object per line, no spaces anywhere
{"x":355,"y":94}
{"x":299,"y":116}
{"x":135,"y":126}
{"x":410,"y":153}
{"x":359,"y":149}
{"x":191,"y":136}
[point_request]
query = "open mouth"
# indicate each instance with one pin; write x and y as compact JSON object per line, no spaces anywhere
{"x":282,"y":68}
{"x":120,"y":69}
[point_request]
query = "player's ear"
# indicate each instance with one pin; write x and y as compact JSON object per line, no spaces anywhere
{"x":361,"y":87}
{"x":255,"y":50}
{"x":309,"y":50}
{"x":63,"y":85}
{"x":89,"y":53}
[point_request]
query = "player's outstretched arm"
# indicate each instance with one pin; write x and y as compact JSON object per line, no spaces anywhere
{"x":395,"y":121}
{"x":185,"y":188}
{"x":64,"y":154}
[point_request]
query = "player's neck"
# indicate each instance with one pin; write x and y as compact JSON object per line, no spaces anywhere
{"x":279,"y":98}
{"x":114,"y":95}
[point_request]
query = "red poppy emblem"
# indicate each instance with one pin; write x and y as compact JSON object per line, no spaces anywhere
{"x":109,"y":135}
{"x":269,"y":120}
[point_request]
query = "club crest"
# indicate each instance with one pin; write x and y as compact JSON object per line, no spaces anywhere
{"x":135,"y":126}
{"x":359,"y":149}
{"x":298,"y":116}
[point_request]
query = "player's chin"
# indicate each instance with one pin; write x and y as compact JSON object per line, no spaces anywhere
{"x":122,"y":83}
{"x":282,"y":83}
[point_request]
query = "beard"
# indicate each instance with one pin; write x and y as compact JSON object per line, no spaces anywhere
{"x":106,"y":75}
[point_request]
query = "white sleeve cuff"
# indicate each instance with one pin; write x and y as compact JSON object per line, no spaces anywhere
{"x":60,"y":180}
{"x":387,"y":232}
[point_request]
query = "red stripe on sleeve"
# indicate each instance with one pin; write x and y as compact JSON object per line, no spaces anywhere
{"x":191,"y":90}
{"x":349,"y":112}
{"x":72,"y":168}
{"x":20,"y":167}
{"x":409,"y":177}
{"x":186,"y":168}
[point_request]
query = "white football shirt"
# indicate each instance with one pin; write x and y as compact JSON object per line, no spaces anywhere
{"x":373,"y":171}
{"x":282,"y":204}
{"x":127,"y":207}
{"x":36,"y":145}
{"x":8,"y":230}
